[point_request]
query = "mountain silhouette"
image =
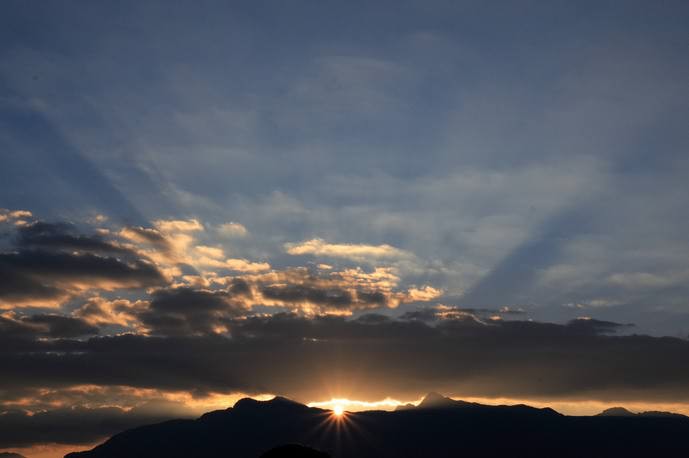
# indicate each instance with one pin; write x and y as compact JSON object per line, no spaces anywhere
{"x":616,"y":412}
{"x":622,"y":412}
{"x":438,"y":428}
{"x":11,"y":455}
{"x":435,"y":400}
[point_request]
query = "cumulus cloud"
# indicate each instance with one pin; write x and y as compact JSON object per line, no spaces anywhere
{"x":425,"y":294}
{"x":172,"y":244}
{"x":337,"y":292}
{"x":99,"y":311}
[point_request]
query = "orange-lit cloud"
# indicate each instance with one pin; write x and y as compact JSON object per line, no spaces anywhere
{"x":99,"y":311}
{"x":355,"y":252}
{"x":174,"y":226}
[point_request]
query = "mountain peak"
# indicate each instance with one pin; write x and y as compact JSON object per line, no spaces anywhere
{"x":277,"y":403}
{"x":434,"y":400}
{"x":616,"y":412}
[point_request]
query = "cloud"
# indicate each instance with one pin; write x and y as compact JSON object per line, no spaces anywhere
{"x":51,"y":262}
{"x":173,"y":244}
{"x":232,"y":230}
{"x":190,"y":312}
{"x":447,"y":312}
{"x":292,"y":355}
{"x":98,"y":311}
{"x":336,"y":292}
{"x":177,"y":225}
{"x":44,"y":325}
{"x":14,"y":215}
{"x":354,"y":252}
{"x":144,"y":235}
{"x":237,"y":265}
{"x":38,"y":277}
{"x":65,"y":237}
{"x":211,"y":252}
{"x":425,"y":294}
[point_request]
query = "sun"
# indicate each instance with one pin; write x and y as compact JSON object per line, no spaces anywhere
{"x":338,"y":410}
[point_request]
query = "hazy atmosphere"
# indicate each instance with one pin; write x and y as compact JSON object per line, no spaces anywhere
{"x":201,"y":201}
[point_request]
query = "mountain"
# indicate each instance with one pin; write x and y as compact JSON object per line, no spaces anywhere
{"x":294,"y":451}
{"x":435,"y":401}
{"x":11,"y":455}
{"x":438,"y":428}
{"x":622,"y":412}
{"x":616,"y":412}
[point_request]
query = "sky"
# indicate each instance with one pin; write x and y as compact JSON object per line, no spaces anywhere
{"x":201,"y":201}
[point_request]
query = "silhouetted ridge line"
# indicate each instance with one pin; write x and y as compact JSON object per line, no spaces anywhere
{"x":439,"y":428}
{"x":622,"y":412}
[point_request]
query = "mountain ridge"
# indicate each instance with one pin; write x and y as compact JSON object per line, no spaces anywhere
{"x":623,"y":412}
{"x":439,"y":427}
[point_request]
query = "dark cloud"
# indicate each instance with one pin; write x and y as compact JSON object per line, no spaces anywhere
{"x":373,"y":318}
{"x":302,"y":289}
{"x":240,"y":287}
{"x":35,"y":274}
{"x":52,"y":260}
{"x":332,"y":297}
{"x":64,"y":237}
{"x":369,"y":358}
{"x":186,"y":311}
{"x":17,"y":286}
{"x":42,"y":325}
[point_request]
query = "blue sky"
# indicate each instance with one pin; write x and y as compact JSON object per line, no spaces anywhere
{"x":537,"y":149}
{"x":520,"y":160}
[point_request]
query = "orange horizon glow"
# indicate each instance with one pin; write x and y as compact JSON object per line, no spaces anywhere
{"x":340,"y":417}
{"x":567,"y":407}
{"x":353,"y":405}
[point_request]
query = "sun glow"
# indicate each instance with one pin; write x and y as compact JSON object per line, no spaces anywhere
{"x":338,"y":410}
{"x":351,"y":405}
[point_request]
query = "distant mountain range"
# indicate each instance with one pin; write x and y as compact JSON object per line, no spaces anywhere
{"x":622,"y":412}
{"x":438,"y":427}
